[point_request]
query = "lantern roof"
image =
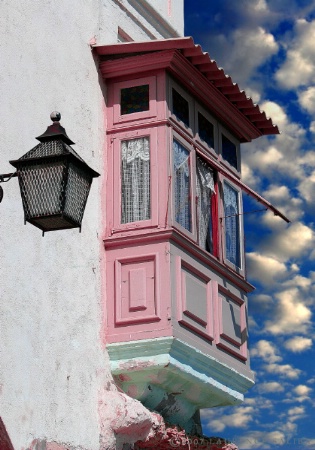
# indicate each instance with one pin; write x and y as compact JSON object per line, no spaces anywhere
{"x":53,"y":143}
{"x":55,"y":131}
{"x":230,"y":93}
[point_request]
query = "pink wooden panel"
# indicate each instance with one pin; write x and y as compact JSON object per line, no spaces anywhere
{"x":231,"y":327}
{"x":136,"y":289}
{"x":194,"y":299}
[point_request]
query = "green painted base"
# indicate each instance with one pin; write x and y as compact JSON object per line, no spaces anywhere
{"x":175,"y":379}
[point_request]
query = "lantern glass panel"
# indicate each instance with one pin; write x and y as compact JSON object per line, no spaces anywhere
{"x":78,"y":188}
{"x":42,"y":187}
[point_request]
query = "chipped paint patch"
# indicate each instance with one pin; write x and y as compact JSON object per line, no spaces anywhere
{"x":166,"y":437}
{"x":123,"y":420}
{"x":40,"y":444}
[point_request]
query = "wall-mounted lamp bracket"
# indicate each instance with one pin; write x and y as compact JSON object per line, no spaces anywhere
{"x":4,"y":178}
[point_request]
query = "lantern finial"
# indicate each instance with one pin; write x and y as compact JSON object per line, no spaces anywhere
{"x":55,"y":116}
{"x":55,"y":131}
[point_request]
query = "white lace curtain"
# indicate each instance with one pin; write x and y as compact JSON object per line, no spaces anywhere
{"x":135,"y":180}
{"x":204,"y":191}
{"x":232,"y":232}
{"x":182,"y":185}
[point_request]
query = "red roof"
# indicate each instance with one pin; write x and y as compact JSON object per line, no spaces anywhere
{"x":208,"y":68}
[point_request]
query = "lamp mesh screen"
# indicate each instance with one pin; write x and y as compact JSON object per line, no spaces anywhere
{"x":42,"y":187}
{"x":78,"y":188}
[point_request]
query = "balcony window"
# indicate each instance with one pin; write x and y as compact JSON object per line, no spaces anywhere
{"x":135,"y":180}
{"x":180,"y":108}
{"x":134,"y":99}
{"x":229,"y":152}
{"x":182,"y":185}
{"x":205,"y":130}
{"x":232,"y":225}
{"x":204,"y":193}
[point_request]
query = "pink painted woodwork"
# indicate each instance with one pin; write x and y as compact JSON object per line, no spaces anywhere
{"x":138,"y":292}
{"x":228,"y":306}
{"x":195,"y":300}
{"x":175,"y":294}
{"x":159,"y":282}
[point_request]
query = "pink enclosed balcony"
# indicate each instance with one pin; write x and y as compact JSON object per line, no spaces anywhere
{"x":176,"y":293}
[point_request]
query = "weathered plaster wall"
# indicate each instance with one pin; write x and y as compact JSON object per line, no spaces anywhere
{"x":53,"y":366}
{"x":141,"y":19}
{"x":52,"y":363}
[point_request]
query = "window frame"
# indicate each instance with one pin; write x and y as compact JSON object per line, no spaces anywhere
{"x":117,"y":193}
{"x":190,"y":129}
{"x":192,"y":163}
{"x":223,"y":131}
{"x":214,"y":206}
{"x":213,"y":151}
{"x":240,"y":270}
{"x":119,"y":118}
{"x":189,"y":137}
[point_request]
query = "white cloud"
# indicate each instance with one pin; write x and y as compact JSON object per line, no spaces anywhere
{"x":282,"y":155}
{"x":275,"y":111}
{"x":279,"y":117}
{"x":293,"y":242}
{"x":307,"y":99}
{"x":307,"y":187}
{"x":248,"y":175}
{"x":260,"y":304}
{"x":284,"y":370}
{"x":271,"y":386}
{"x":265,"y":350}
{"x":298,"y":344}
{"x":261,"y":439}
{"x":266,"y":269}
{"x":260,"y":6}
{"x":296,"y":411}
{"x":291,"y":314}
{"x":299,"y":67}
{"x":302,"y":393}
{"x":279,"y":159}
{"x":254,"y":94}
{"x":302,"y":390}
{"x":298,"y":281}
{"x":312,"y":127}
{"x":248,"y":49}
{"x":281,"y":197}
{"x":241,"y":418}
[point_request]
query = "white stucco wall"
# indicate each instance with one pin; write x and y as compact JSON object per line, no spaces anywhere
{"x":141,"y":19}
{"x":53,"y":364}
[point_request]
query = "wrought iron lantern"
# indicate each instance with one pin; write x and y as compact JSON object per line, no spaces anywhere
{"x":54,"y":181}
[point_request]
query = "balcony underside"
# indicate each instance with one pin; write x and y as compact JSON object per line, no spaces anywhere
{"x":175,"y":379}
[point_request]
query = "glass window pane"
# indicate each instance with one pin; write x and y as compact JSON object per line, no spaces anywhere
{"x":182,"y":185}
{"x":134,"y":99}
{"x":205,"y":130}
{"x":232,"y":225}
{"x":229,"y":151}
{"x":135,"y":180}
{"x":204,"y":192}
{"x":180,"y":107}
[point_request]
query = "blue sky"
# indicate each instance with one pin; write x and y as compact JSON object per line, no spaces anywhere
{"x":268,"y":47}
